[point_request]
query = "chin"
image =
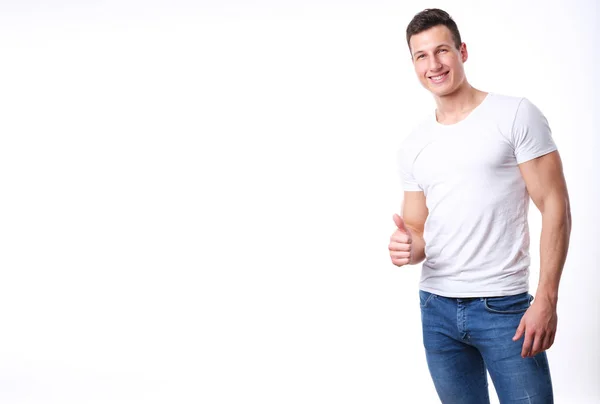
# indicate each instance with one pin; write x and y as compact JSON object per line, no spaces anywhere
{"x":441,"y":92}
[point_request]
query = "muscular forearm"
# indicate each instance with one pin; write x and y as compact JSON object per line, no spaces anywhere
{"x":554,"y":244}
{"x":417,"y":247}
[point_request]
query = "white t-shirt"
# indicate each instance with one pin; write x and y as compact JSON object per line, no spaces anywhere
{"x":476,"y":234}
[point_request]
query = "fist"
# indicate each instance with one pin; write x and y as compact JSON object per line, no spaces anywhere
{"x":400,"y":243}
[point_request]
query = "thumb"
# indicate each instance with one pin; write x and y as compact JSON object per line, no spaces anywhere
{"x":520,"y":331}
{"x":400,"y":222}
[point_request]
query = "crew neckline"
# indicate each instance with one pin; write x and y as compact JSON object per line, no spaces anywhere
{"x":466,"y":118}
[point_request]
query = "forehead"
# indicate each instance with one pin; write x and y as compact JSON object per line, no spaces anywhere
{"x":431,"y":39}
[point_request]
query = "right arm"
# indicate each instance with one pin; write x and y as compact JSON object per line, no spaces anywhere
{"x":414,"y":213}
{"x":408,"y":236}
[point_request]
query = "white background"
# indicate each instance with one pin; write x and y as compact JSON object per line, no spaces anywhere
{"x":197,"y":198}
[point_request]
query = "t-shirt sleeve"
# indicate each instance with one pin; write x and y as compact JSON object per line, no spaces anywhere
{"x":531,"y":135}
{"x":409,"y":183}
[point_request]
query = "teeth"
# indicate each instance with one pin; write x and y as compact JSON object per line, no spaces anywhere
{"x":438,"y":78}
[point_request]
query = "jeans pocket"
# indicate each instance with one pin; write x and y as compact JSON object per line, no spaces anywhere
{"x":508,"y":304}
{"x":425,"y":298}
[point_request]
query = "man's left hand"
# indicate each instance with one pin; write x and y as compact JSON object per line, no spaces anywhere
{"x":539,"y":326}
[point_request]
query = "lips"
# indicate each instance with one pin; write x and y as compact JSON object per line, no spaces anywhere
{"x":439,"y":78}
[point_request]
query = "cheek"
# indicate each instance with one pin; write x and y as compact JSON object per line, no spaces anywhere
{"x":457,"y":70}
{"x":421,"y":70}
{"x":454,"y":63}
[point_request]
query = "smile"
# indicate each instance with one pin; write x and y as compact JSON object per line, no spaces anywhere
{"x":440,"y":78}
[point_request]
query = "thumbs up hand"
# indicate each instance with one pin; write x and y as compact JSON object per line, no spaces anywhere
{"x":400,"y":243}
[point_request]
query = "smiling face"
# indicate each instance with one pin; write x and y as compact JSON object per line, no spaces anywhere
{"x":437,"y":61}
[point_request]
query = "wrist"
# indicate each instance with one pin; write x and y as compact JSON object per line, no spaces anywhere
{"x":548,"y":295}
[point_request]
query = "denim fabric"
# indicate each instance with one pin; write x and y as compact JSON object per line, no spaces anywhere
{"x":465,"y":337}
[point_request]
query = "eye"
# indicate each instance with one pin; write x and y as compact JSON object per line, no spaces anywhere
{"x":443,"y":50}
{"x":421,"y":56}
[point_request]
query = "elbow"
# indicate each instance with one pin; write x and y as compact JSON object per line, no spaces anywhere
{"x":563,"y":212}
{"x":558,"y":210}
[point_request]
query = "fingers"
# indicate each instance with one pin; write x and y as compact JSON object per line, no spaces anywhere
{"x":400,"y":254}
{"x":551,"y":338}
{"x":548,"y":341}
{"x":400,"y":258}
{"x":520,"y":330}
{"x":400,"y":238}
{"x":398,"y":246}
{"x":527,"y":344}
{"x":541,"y":343}
{"x":400,"y":261}
{"x":401,"y":225}
{"x":538,"y":344}
{"x":534,"y":343}
{"x":399,"y":222}
{"x":400,"y":251}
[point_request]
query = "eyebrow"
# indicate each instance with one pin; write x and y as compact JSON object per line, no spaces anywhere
{"x":437,"y":47}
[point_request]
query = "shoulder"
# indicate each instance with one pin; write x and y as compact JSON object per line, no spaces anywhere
{"x":412,"y":145}
{"x":514,"y":105}
{"x":418,"y":134}
{"x":511,"y":112}
{"x":507,"y":103}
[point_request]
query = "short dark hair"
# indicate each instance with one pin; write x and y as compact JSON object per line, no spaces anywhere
{"x":430,"y":18}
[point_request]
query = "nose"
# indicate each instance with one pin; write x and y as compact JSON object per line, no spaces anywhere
{"x":434,"y":64}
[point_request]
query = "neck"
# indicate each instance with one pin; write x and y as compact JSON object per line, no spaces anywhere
{"x":463,"y":100}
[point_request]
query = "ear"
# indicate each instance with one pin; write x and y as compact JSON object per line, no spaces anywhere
{"x":464,"y":54}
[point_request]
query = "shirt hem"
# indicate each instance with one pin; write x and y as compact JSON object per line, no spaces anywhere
{"x":487,"y":293}
{"x":529,"y":157}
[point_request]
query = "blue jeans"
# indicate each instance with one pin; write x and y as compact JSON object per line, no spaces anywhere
{"x":464,"y":337}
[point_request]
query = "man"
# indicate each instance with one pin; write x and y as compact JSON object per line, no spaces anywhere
{"x":468,"y":172}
